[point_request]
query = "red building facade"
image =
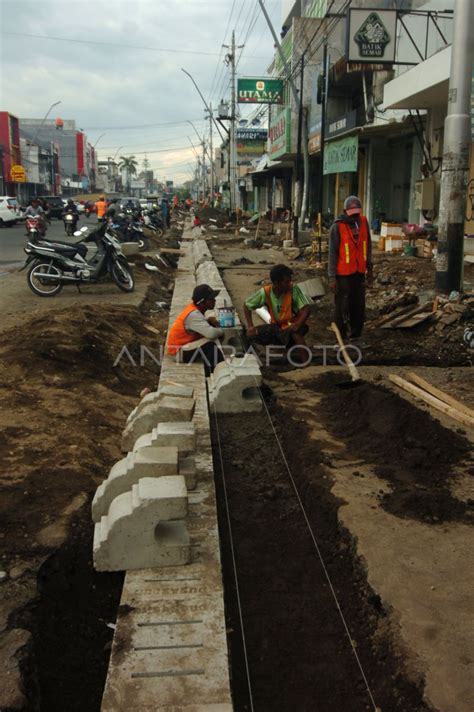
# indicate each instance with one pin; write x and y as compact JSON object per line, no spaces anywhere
{"x":10,"y":154}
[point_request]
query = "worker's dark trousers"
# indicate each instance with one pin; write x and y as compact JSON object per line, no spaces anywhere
{"x":350,"y":304}
{"x":209,"y":353}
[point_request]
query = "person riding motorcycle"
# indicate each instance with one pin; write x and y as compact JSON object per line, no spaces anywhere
{"x":71,"y":209}
{"x":34,"y":210}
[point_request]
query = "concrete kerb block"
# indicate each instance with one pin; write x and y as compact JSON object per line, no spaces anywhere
{"x":234,"y":386}
{"x":187,"y":468}
{"x":144,"y":527}
{"x":174,"y":390}
{"x":149,"y":462}
{"x":232,"y":338}
{"x":165,"y":409}
{"x":181,"y":435}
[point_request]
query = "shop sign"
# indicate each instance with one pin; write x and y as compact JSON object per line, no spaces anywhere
{"x":342,"y":124}
{"x":341,"y":156}
{"x":314,"y":8}
{"x":314,"y":143}
{"x":279,"y":133}
{"x":251,"y":134}
{"x":259,"y":91}
{"x":371,"y":36}
{"x":18,"y":174}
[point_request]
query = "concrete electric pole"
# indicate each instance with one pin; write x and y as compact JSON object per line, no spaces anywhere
{"x":211,"y":148}
{"x":455,"y":167}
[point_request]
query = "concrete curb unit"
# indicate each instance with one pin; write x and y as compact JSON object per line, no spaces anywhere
{"x":170,"y":648}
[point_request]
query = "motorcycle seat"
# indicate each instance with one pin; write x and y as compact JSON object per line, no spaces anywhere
{"x":69,"y":250}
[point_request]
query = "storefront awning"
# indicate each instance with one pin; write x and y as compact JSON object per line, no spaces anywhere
{"x":423,"y":86}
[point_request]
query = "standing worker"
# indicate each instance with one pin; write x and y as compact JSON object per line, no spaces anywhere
{"x":100,"y":208}
{"x":165,"y":212}
{"x":350,"y":258}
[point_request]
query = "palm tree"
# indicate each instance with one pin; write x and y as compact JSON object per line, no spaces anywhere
{"x":129,"y":165}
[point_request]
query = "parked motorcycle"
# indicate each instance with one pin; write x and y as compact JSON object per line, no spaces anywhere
{"x":153,"y":221}
{"x":127,"y":229}
{"x":54,"y":264}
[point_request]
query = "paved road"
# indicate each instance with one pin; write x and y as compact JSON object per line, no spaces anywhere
{"x":13,"y":239}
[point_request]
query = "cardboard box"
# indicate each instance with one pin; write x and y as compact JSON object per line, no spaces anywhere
{"x":391,"y":230}
{"x":393,"y":244}
{"x":381,"y":244}
{"x":420,"y":251}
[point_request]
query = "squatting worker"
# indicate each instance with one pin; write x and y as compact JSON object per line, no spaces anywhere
{"x":289,"y":310}
{"x":101,"y":207}
{"x":350,"y":258}
{"x":194,"y":336}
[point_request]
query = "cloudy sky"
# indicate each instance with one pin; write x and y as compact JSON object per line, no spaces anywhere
{"x":108,"y":66}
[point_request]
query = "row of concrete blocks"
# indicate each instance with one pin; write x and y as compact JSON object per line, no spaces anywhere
{"x":234,"y":385}
{"x":140,"y":510}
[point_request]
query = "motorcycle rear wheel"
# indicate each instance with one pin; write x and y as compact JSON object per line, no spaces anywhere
{"x":122,"y":274}
{"x":159,"y":231}
{"x":43,"y":287}
{"x":143,"y":243}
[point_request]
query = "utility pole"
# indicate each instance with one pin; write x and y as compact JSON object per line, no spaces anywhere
{"x":232,"y":152}
{"x":455,"y":166}
{"x":294,"y":91}
{"x":212,"y":154}
{"x":204,"y":169}
{"x":324,"y":90}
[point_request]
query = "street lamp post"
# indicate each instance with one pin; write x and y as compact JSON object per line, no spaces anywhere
{"x":33,"y":140}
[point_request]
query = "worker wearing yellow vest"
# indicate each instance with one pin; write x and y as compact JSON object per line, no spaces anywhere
{"x":288,"y":309}
{"x":192,"y":336}
{"x":350,"y":260}
{"x":101,"y":207}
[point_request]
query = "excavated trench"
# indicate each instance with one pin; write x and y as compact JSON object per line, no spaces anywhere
{"x":297,"y":651}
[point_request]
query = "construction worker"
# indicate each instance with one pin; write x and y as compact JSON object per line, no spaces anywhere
{"x":350,"y":259}
{"x":192,"y":336}
{"x":288,"y":310}
{"x":101,"y":208}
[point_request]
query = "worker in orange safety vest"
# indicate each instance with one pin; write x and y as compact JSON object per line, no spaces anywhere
{"x":101,"y":208}
{"x":350,"y":267}
{"x":192,"y":335}
{"x":288,"y":309}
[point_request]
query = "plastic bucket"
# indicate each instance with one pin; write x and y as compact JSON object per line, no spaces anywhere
{"x":226,"y":317}
{"x":410,"y":250}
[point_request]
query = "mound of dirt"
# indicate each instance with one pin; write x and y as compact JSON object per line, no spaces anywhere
{"x":411,"y":450}
{"x":209,"y":214}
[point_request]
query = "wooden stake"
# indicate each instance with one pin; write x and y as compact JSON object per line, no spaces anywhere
{"x":438,"y":393}
{"x":258,"y":226}
{"x":431,"y":400}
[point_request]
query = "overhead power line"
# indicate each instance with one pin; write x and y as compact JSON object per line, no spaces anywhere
{"x":114,"y":44}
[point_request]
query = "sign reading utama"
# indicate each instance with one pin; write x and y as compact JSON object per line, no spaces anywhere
{"x":259,"y":91}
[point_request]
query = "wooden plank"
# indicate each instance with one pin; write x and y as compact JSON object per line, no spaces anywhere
{"x":431,"y":400}
{"x":400,"y":311}
{"x":409,"y":322}
{"x":438,"y":393}
{"x":417,"y":310}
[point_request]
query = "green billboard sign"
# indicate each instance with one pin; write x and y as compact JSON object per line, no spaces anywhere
{"x":341,"y":156}
{"x":259,"y":91}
